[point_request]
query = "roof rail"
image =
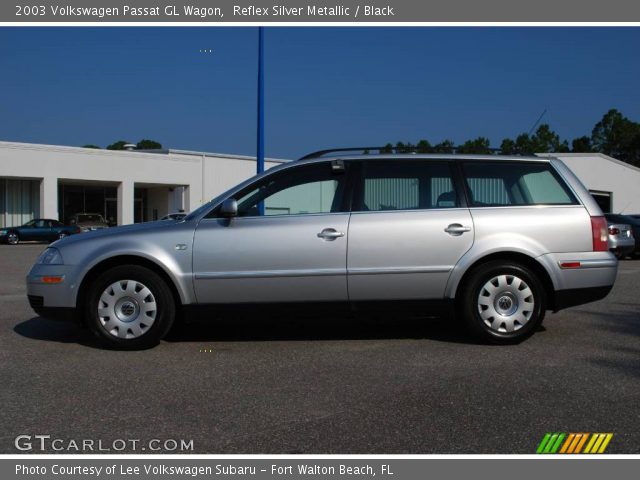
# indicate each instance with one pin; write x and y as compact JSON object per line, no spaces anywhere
{"x":385,"y":150}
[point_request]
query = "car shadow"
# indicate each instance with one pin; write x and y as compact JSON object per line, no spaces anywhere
{"x":270,"y":328}
{"x":623,"y":357}
{"x":39,"y":328}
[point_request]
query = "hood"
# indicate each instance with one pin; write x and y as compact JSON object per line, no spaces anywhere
{"x":136,"y":228}
{"x":92,"y":225}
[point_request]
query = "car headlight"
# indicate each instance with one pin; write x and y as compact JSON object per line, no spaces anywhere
{"x":3,"y":233}
{"x":51,"y":256}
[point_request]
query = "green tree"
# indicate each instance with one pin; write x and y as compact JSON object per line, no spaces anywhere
{"x":423,"y":146}
{"x":524,"y":145}
{"x":146,"y":144}
{"x":508,"y":147}
{"x":478,"y":146}
{"x":388,"y":148}
{"x":90,"y":145}
{"x":119,"y":145}
{"x":617,"y":136}
{"x":446,"y":146}
{"x":404,"y":148}
{"x":581,"y":145}
{"x":546,"y":140}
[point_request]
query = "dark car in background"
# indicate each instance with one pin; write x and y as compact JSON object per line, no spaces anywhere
{"x":174,"y":216}
{"x":38,"y":229}
{"x":634,"y":224}
{"x":89,"y":221}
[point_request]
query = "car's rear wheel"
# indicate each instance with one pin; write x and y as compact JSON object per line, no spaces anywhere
{"x":13,"y":238}
{"x":502,"y":303}
{"x":130,"y":307}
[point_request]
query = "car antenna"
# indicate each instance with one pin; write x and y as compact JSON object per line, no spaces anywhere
{"x":537,"y":121}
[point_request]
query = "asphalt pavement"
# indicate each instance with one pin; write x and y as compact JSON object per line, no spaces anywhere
{"x":337,"y":385}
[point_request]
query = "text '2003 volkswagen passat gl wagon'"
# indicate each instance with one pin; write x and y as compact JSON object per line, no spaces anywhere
{"x":500,"y":240}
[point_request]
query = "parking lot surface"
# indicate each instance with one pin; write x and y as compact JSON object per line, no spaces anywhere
{"x":337,"y":385}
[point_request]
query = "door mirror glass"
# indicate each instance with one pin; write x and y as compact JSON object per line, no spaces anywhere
{"x":229,"y":208}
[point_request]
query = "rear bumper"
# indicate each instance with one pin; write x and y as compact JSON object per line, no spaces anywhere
{"x":579,"y":296}
{"x":622,"y":245}
{"x":580,"y":277}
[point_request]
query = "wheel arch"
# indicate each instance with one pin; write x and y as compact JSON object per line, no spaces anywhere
{"x":120,"y":260}
{"x":515,"y":257}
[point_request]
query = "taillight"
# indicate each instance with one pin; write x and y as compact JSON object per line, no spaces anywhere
{"x":599,"y":234}
{"x":77,"y":230}
{"x":613,"y":231}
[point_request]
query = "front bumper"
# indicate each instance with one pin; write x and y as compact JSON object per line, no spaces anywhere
{"x":45,"y":296}
{"x":55,"y":313}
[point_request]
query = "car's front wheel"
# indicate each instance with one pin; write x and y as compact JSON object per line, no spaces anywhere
{"x":130,"y":307}
{"x":13,"y":238}
{"x":502,"y":303}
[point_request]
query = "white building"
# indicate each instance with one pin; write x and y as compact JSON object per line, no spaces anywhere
{"x":47,"y":181}
{"x":614,"y":184}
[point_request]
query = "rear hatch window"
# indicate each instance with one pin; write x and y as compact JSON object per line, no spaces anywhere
{"x":491,"y":184}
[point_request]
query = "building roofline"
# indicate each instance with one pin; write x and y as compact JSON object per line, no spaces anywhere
{"x":589,"y":154}
{"x":103,"y":151}
{"x":212,"y":154}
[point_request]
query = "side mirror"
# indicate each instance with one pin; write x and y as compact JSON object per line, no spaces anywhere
{"x":229,"y":208}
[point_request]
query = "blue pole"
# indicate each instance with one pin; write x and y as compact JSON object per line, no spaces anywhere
{"x":260,"y":146}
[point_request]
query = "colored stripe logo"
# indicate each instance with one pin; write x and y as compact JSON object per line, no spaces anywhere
{"x":574,"y":443}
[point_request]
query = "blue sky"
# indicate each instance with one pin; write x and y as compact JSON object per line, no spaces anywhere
{"x":325,"y":87}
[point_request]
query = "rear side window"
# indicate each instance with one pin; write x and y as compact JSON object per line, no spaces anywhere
{"x":405,"y":185}
{"x":491,"y":184}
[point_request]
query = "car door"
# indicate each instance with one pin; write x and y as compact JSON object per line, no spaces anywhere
{"x":407,"y":230}
{"x":287,"y":244}
{"x":43,"y":230}
{"x":34,"y":230}
{"x":55,"y":229}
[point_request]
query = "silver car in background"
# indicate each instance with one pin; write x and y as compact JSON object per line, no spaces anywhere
{"x":492,"y":241}
{"x":621,"y":239}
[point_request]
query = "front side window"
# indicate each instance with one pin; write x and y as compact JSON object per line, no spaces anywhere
{"x":406,"y":185}
{"x":307,"y":189}
{"x":491,"y":184}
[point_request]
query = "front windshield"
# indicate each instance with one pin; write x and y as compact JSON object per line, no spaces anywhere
{"x":90,"y":218}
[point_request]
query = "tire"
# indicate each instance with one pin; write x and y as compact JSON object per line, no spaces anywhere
{"x":502,"y":303}
{"x":13,"y":238}
{"x":129,"y":308}
{"x":619,"y":255}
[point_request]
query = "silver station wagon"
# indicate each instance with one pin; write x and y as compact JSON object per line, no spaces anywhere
{"x":491,"y":241}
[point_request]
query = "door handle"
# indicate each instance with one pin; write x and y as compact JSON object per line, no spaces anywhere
{"x":455,"y":229}
{"x":330,"y":234}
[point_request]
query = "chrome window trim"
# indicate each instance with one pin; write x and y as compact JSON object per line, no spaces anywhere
{"x":263,"y":217}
